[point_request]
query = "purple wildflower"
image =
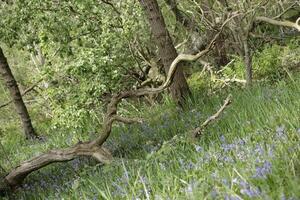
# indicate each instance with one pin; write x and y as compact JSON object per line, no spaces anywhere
{"x":228,"y":147}
{"x":250,"y":192}
{"x":259,"y":150}
{"x":263,"y":171}
{"x":241,"y":142}
{"x":230,"y":197}
{"x":222,"y":138}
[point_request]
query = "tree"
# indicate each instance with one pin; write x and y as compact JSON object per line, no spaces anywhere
{"x":167,"y":52}
{"x":13,"y":88}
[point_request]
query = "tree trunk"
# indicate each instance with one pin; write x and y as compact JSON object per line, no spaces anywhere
{"x":185,"y":21}
{"x":167,"y":52}
{"x":248,"y":62}
{"x":13,"y":88}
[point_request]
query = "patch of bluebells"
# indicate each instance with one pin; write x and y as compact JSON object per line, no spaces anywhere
{"x":231,"y":197}
{"x":246,"y":189}
{"x":187,"y":165}
{"x":264,"y":170}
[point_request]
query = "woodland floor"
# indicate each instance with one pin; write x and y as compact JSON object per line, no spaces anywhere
{"x":251,"y":152}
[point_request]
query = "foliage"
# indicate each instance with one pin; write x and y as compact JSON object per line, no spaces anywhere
{"x":250,"y":153}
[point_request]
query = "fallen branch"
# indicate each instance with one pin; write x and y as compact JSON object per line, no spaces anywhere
{"x":280,"y":23}
{"x":22,"y":93}
{"x":232,"y":80}
{"x":198,"y":131}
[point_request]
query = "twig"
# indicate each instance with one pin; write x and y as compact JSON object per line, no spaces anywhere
{"x":198,"y":131}
{"x":232,"y":80}
{"x":285,"y":10}
{"x":23,"y":93}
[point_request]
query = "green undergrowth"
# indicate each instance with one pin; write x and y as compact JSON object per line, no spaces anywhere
{"x":251,"y":152}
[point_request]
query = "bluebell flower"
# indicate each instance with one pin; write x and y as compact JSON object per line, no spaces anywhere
{"x":228,"y":147}
{"x":230,"y":197}
{"x":250,"y":192}
{"x":241,"y":142}
{"x":214,"y":175}
{"x":222,"y":138}
{"x":263,"y":171}
{"x":243,"y":184}
{"x":259,"y":150}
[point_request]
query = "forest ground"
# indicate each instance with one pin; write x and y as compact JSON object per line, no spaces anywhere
{"x":252,"y":151}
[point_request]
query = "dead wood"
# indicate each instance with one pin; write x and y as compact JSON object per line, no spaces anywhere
{"x":295,"y":25}
{"x":198,"y":131}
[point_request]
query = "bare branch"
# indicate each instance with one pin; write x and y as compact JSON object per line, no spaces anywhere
{"x":198,"y":131}
{"x":16,"y":176}
{"x":286,"y":10}
{"x":280,"y":23}
{"x":22,"y":93}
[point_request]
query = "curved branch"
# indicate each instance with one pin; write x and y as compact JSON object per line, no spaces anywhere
{"x":17,"y":175}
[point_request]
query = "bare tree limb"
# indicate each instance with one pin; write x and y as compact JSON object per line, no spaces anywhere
{"x":279,"y":23}
{"x":286,"y":10}
{"x":198,"y":131}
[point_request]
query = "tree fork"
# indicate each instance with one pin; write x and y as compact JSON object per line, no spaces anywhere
{"x":179,"y":88}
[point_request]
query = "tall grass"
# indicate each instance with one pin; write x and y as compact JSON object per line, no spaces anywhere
{"x":252,"y":152}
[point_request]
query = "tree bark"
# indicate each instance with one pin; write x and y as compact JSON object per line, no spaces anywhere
{"x":248,"y":62}
{"x":13,"y":88}
{"x":185,"y":21}
{"x":179,"y":87}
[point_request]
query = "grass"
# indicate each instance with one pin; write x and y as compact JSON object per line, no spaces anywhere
{"x":252,"y":152}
